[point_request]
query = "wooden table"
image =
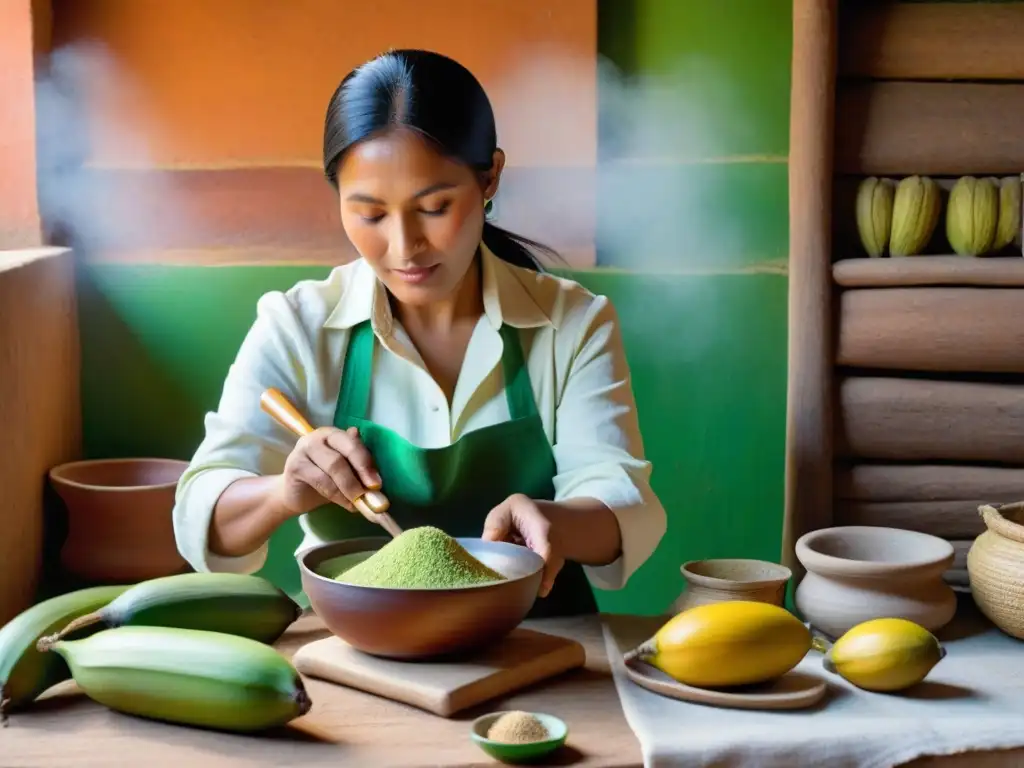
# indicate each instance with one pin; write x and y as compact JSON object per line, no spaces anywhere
{"x":348,"y":727}
{"x":345,"y":727}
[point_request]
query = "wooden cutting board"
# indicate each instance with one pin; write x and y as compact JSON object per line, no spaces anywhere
{"x":444,"y":688}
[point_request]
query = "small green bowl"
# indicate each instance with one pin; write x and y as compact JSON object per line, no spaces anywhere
{"x":519,"y":753}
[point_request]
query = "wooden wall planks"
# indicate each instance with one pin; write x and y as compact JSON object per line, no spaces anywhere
{"x":936,"y":89}
{"x":928,"y":482}
{"x":929,"y":128}
{"x":939,"y":499}
{"x":938,"y":329}
{"x":912,"y":420}
{"x":932,"y":41}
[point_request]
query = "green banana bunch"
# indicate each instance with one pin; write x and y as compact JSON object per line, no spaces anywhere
{"x":971,"y":215}
{"x":25,"y":672}
{"x":915,"y":213}
{"x":1008,"y":230}
{"x":187,"y":676}
{"x":233,"y":603}
{"x":874,"y":213}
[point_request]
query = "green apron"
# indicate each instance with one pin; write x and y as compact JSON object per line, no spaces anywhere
{"x":453,"y":488}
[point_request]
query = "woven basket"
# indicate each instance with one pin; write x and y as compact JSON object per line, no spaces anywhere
{"x":995,"y":564}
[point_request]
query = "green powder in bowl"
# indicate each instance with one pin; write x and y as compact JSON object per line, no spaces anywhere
{"x":423,"y":558}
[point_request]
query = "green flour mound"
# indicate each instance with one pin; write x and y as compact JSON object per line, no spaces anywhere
{"x":425,"y":558}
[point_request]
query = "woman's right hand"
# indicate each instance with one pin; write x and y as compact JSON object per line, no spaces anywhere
{"x":329,"y":464}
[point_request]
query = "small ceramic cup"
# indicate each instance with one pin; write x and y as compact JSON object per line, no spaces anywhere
{"x":728,"y":579}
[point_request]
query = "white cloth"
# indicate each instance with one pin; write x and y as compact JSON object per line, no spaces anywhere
{"x":973,"y":700}
{"x":573,"y":350}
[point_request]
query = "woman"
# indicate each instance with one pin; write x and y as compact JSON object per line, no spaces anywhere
{"x":479,"y":394}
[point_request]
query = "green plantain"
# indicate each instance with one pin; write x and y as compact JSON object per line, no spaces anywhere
{"x":187,"y":676}
{"x":233,"y":603}
{"x":25,"y":672}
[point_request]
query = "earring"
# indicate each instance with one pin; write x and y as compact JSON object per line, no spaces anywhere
{"x":489,"y":208}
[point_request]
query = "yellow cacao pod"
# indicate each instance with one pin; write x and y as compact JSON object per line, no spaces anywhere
{"x":1008,"y":230}
{"x":915,"y":213}
{"x":874,"y":214}
{"x":972,"y":215}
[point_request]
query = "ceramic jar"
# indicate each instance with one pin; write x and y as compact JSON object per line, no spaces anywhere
{"x":119,"y":518}
{"x":857,"y":573}
{"x":995,"y":564}
{"x":721,"y":580}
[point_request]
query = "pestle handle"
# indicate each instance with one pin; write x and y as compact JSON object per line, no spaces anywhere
{"x":286,"y":414}
{"x":373,"y":505}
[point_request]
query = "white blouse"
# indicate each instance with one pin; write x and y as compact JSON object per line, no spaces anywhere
{"x":573,"y":350}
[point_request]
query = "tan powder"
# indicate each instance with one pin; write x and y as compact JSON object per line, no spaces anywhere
{"x":517,"y":728}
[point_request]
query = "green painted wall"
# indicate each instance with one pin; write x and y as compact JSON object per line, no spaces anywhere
{"x":701,"y":291}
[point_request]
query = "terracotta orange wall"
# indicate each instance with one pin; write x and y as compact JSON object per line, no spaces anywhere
{"x":216,"y":117}
{"x":19,"y":212}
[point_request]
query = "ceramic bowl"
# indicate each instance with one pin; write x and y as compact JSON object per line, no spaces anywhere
{"x":857,"y":573}
{"x":516,"y":753}
{"x":726,"y":579}
{"x":421,"y":623}
{"x":119,"y":517}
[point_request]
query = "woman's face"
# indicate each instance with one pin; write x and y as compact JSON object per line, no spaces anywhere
{"x":415,"y":216}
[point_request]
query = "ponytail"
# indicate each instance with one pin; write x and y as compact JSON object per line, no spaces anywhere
{"x":515,"y":249}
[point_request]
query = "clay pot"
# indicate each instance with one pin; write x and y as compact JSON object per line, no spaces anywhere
{"x":857,"y":573}
{"x":722,"y":580}
{"x":995,"y":564}
{"x":119,"y":518}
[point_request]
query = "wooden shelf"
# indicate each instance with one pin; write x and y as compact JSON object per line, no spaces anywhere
{"x":1001,"y":271}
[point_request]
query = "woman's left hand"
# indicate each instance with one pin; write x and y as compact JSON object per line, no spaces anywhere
{"x":518,"y":519}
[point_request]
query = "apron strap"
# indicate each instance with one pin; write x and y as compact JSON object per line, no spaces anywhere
{"x":354,"y":396}
{"x":518,"y":390}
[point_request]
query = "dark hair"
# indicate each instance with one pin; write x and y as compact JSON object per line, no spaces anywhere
{"x":440,"y":99}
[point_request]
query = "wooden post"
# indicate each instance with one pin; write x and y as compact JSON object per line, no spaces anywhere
{"x":809,"y":402}
{"x":40,"y":406}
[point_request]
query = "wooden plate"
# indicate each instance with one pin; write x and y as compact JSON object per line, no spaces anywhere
{"x":795,"y":690}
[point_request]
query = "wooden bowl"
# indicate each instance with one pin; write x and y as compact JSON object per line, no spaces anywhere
{"x":723,"y":579}
{"x":421,"y":623}
{"x":861,"y":572}
{"x":119,"y":518}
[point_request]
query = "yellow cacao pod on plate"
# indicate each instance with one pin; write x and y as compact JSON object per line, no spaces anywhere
{"x":726,"y":644}
{"x":915,"y":214}
{"x":1008,"y":230}
{"x":972,"y":216}
{"x":874,"y":214}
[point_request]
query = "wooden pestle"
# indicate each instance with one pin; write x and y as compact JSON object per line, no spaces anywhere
{"x":372,"y":505}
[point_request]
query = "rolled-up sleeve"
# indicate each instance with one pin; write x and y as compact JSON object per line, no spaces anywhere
{"x":598,"y":448}
{"x":240,"y":440}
